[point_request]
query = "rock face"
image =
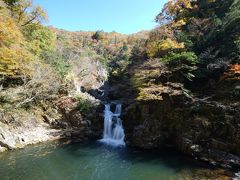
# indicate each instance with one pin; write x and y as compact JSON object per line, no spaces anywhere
{"x":159,"y":112}
{"x":80,"y":123}
{"x":206,"y":131}
{"x":23,"y":130}
{"x":21,"y":127}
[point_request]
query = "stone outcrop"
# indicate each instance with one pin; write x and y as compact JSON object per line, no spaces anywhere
{"x":21,"y":127}
{"x":18,"y":129}
{"x":80,"y":123}
{"x":159,"y":111}
{"x":204,"y":130}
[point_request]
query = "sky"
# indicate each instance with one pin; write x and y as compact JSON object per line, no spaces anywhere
{"x":124,"y":16}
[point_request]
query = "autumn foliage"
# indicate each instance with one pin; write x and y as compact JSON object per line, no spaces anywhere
{"x":13,"y":51}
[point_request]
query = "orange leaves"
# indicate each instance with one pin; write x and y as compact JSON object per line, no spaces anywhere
{"x":233,"y":72}
{"x":234,"y":68}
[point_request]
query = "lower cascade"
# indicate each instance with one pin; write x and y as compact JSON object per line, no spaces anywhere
{"x":113,"y":133}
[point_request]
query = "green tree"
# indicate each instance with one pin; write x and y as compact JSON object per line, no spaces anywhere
{"x":98,"y":35}
{"x":40,"y":39}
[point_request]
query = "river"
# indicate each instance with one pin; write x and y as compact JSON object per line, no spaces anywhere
{"x":96,"y":161}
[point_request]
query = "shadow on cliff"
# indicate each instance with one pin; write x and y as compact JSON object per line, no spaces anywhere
{"x":158,"y":110}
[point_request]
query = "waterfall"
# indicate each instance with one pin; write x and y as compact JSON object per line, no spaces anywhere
{"x":113,"y":133}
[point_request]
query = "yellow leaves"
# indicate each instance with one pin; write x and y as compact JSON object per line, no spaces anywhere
{"x":180,"y":23}
{"x":174,"y":11}
{"x":161,"y":47}
{"x":188,"y":5}
{"x":183,"y":4}
{"x":13,"y":60}
{"x":13,"y":54}
{"x":170,"y":44}
{"x":9,"y":32}
{"x":162,"y":40}
{"x":175,"y":6}
{"x":8,"y":63}
{"x":152,"y":49}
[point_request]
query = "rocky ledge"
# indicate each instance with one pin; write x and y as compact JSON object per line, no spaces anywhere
{"x":20,"y":127}
{"x":19,"y":131}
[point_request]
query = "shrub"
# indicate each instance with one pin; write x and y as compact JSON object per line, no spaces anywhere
{"x":40,"y":39}
{"x":84,"y":104}
{"x":181,"y":64}
{"x":59,"y":63}
{"x":43,"y":85}
{"x":4,"y":99}
{"x":181,"y":57}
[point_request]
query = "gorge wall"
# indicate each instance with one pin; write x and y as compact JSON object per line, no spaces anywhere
{"x":160,"y":112}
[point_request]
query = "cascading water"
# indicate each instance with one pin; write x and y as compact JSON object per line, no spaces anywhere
{"x":113,"y":133}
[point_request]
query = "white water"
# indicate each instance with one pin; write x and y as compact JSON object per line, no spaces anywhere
{"x":113,"y":133}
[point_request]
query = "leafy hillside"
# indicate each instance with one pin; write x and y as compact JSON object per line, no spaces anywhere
{"x":179,"y":83}
{"x":34,"y":54}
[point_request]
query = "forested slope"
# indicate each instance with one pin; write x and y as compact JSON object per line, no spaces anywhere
{"x":179,"y":83}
